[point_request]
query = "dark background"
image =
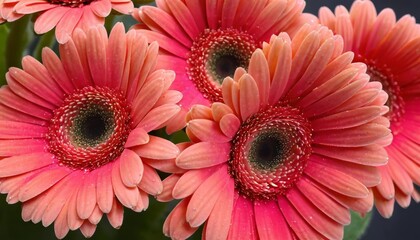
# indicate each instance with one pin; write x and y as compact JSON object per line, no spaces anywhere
{"x":405,"y":223}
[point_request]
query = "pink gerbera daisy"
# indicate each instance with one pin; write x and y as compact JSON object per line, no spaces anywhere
{"x":65,"y":15}
{"x":74,"y":132}
{"x":390,"y":49}
{"x":205,"y":41}
{"x":294,"y":146}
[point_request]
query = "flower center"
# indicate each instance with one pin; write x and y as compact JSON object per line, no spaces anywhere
{"x":395,"y":100}
{"x":216,"y":54}
{"x":90,"y":129}
{"x":71,"y":3}
{"x":270,"y":151}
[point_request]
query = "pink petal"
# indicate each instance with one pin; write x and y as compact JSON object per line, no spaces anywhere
{"x":49,"y":19}
{"x":147,"y":97}
{"x":117,"y":48}
{"x":372,"y":155}
{"x":73,"y":219}
{"x":190,"y":181}
{"x":207,"y":131}
{"x":157,"y":117}
{"x":116,"y":215}
{"x":184,"y":18}
{"x":151,"y":182}
{"x":203,"y":154}
{"x":88,"y":229}
{"x":157,"y":148}
{"x":86,"y":197}
{"x":364,"y":135}
{"x":42,"y":181}
{"x":175,"y":225}
{"x":156,"y":16}
{"x":314,"y":217}
{"x":137,"y":136}
{"x":96,"y":54}
{"x":249,"y":96}
{"x":24,"y":163}
{"x":229,"y":125}
{"x":104,"y":192}
{"x":16,"y":79}
{"x":17,"y":130}
{"x":101,"y":8}
{"x":72,"y":64}
{"x":67,"y":24}
{"x":128,"y":196}
{"x":218,"y":223}
{"x":131,"y":167}
{"x":324,"y":203}
{"x":258,"y":69}
{"x":14,"y":107}
{"x":96,"y":215}
{"x":270,"y":221}
{"x":55,"y":68}
{"x":342,"y":183}
{"x":168,"y":184}
{"x":243,"y":220}
{"x":205,"y":197}
{"x":65,"y":189}
{"x":61,"y":227}
{"x":296,"y":222}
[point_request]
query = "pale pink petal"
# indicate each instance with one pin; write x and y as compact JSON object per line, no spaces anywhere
{"x":86,"y":197}
{"x":150,"y":181}
{"x":249,"y":96}
{"x":168,"y":184}
{"x":104,"y":192}
{"x":102,"y":8}
{"x":203,"y":154}
{"x":131,"y":168}
{"x":88,"y":229}
{"x":157,"y":148}
{"x":205,"y":197}
{"x":137,"y":136}
{"x":128,"y":196}
{"x":116,"y":215}
{"x":190,"y":181}
{"x":158,"y":117}
{"x":207,"y":131}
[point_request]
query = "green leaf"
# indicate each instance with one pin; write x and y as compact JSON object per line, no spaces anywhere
{"x":4,"y":33}
{"x":357,"y":227}
{"x":17,"y":41}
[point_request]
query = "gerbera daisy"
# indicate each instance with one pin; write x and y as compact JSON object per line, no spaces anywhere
{"x":390,"y":49}
{"x":65,"y":15}
{"x":74,"y":132}
{"x":205,"y":41}
{"x":294,"y":145}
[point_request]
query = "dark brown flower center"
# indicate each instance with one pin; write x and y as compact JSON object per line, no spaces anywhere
{"x":90,"y":128}
{"x":270,"y":151}
{"x":71,"y":3}
{"x":216,"y":54}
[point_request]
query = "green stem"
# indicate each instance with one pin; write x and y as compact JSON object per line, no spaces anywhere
{"x":4,"y":33}
{"x":17,"y":42}
{"x":46,"y":40}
